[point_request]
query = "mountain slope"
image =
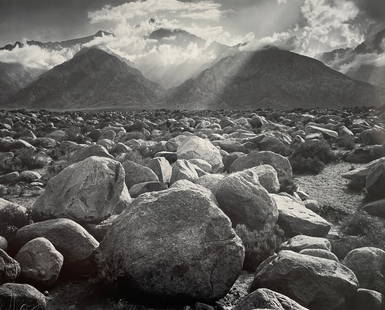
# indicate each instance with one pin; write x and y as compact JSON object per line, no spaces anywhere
{"x":13,"y":77}
{"x":91,"y":79}
{"x":270,"y":78}
{"x":366,"y":62}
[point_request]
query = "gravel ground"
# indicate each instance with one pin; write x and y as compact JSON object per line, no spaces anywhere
{"x":330,"y":190}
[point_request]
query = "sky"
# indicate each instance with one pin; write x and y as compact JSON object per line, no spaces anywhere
{"x":309,"y":27}
{"x":58,"y":19}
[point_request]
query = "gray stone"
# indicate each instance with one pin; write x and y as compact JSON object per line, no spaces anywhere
{"x":87,"y":192}
{"x":40,"y":262}
{"x":173,"y":243}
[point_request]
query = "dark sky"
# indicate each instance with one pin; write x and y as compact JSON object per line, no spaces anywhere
{"x":47,"y":19}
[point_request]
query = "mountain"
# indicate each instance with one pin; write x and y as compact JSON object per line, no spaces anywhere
{"x":271,"y":78}
{"x":13,"y":77}
{"x":92,"y":79}
{"x":60,"y":44}
{"x":176,"y":36}
{"x":366,"y":62}
{"x":199,"y":55}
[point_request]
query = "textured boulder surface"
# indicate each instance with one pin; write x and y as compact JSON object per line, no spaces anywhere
{"x":40,"y":262}
{"x":183,"y":170}
{"x":316,"y":283}
{"x":87,"y":192}
{"x":302,"y":242}
{"x":246,"y":201}
{"x":136,"y":173}
{"x":174,"y":243}
{"x":280,"y":163}
{"x":369,"y":266}
{"x":198,"y":148}
{"x":9,"y":268}
{"x":295,"y":219}
{"x":12,"y":215}
{"x":68,"y":237}
{"x":21,"y":296}
{"x":264,"y":298}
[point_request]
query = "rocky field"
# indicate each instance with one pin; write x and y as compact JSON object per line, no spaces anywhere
{"x":192,"y":210}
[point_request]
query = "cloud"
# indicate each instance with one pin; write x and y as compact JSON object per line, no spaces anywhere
{"x":325,"y":25}
{"x":42,"y":58}
{"x":36,"y":57}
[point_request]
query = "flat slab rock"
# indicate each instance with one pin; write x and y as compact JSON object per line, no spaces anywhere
{"x":295,"y":219}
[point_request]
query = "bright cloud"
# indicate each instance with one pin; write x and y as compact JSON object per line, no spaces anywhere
{"x":327,"y":25}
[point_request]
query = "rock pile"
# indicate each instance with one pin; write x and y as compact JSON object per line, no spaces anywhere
{"x":151,"y":204}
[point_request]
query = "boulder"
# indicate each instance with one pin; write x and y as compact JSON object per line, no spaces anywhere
{"x":146,"y":187}
{"x":280,"y":163}
{"x":365,"y":154}
{"x":357,"y":177}
{"x":268,"y":178}
{"x":197,"y":148}
{"x":3,"y":243}
{"x":21,"y":296}
{"x":183,"y":170}
{"x":372,"y":136}
{"x":40,"y":262}
{"x":87,"y":192}
{"x":89,"y":151}
{"x":30,"y":176}
{"x":317,"y":283}
{"x":136,"y":173}
{"x":175,"y":244}
{"x":210,"y":181}
{"x":376,"y":208}
{"x":9,"y":268}
{"x":264,"y":298}
{"x":320,"y":253}
{"x":302,"y":242}
{"x":10,"y":178}
{"x":12,"y":216}
{"x":368,"y":299}
{"x":202,"y":164}
{"x":375,"y":181}
{"x":162,"y":168}
{"x":68,"y":237}
{"x":368,"y":264}
{"x":245,"y":201}
{"x":295,"y":219}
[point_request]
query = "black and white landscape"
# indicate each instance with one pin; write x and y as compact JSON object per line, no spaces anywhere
{"x":191,"y":154}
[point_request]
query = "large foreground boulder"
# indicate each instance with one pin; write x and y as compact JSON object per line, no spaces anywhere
{"x":368,"y":264}
{"x":264,"y":298}
{"x":87,"y":192}
{"x":295,"y":219}
{"x":68,"y":237}
{"x":175,"y":243}
{"x":21,"y":296}
{"x":197,"y":148}
{"x":40,"y":262}
{"x":246,"y":201}
{"x":316,"y":283}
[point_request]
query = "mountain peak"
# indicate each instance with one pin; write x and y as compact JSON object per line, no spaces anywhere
{"x":92,"y":79}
